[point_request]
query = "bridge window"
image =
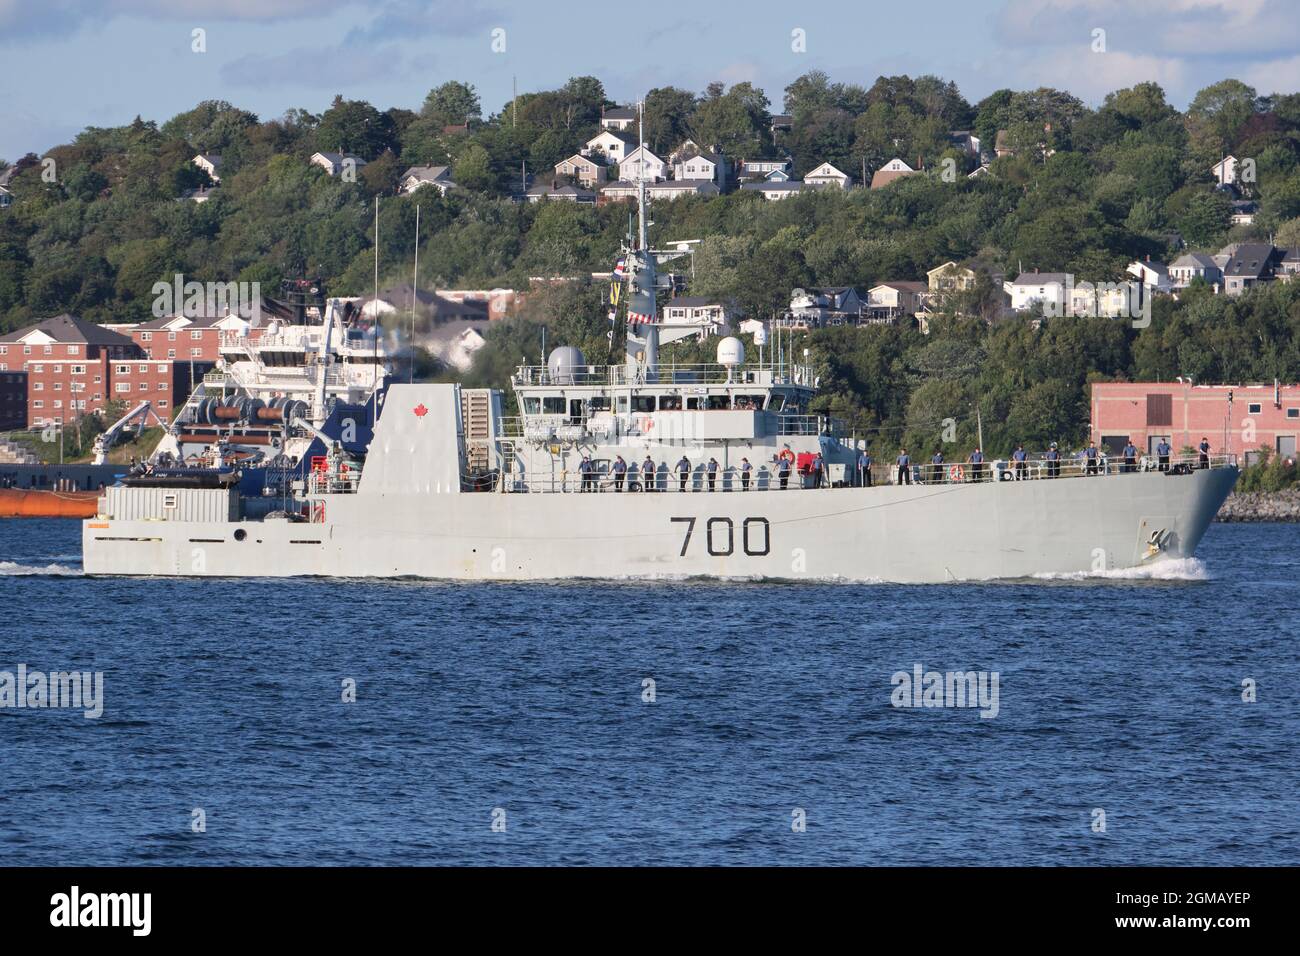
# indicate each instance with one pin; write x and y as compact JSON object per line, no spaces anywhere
{"x":553,"y":405}
{"x":719,"y":402}
{"x":643,"y":403}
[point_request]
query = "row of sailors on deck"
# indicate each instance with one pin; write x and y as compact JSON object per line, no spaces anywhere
{"x":622,"y":472}
{"x":1091,"y":458}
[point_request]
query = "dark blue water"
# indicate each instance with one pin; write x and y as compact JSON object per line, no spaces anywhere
{"x":1118,"y":694}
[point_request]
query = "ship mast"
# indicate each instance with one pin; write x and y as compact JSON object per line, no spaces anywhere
{"x":643,"y":347}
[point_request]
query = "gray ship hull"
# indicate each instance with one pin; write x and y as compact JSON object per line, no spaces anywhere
{"x":912,"y":534}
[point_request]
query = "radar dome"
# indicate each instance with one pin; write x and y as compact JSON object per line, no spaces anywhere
{"x":731,"y":351}
{"x":564,"y":363}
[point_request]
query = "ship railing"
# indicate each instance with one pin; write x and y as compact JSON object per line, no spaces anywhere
{"x":664,"y":482}
{"x":701,"y":373}
{"x":799,"y":424}
{"x":965,"y":472}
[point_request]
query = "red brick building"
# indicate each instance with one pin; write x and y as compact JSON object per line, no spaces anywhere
{"x":1237,"y":419}
{"x":74,"y":367}
{"x":184,"y":338}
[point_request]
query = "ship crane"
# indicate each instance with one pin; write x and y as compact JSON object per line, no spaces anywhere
{"x":103,"y":442}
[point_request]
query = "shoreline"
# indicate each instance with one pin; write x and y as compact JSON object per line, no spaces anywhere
{"x":1261,"y":506}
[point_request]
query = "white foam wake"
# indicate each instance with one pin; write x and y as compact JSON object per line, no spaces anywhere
{"x":14,"y":569}
{"x":1172,"y":569}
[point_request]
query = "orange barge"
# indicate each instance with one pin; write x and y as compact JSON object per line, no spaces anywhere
{"x":42,"y":503}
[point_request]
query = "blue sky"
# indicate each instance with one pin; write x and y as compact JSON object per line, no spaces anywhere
{"x":70,"y":64}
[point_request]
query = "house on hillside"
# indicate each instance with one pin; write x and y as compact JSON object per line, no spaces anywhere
{"x":554,"y":190}
{"x":777,"y":189}
{"x":618,"y":118}
{"x":965,"y":140}
{"x":886,"y":174}
{"x":828,"y":175}
{"x":1032,"y":289}
{"x":769,"y":169}
{"x":640,"y":163}
{"x":699,"y":314}
{"x":609,"y":146}
{"x":701,"y":164}
{"x":1243,"y":212}
{"x":890,"y":301}
{"x":210,"y":163}
{"x":6,"y":198}
{"x":417,"y":177}
{"x":1247,"y":264}
{"x":676,"y":188}
{"x":1225,"y":171}
{"x":1154,"y":276}
{"x":586,"y":171}
{"x":1194,"y":265}
{"x":817,"y":307}
{"x":337,"y":163}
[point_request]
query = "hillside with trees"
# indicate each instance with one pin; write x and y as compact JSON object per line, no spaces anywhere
{"x":1086,"y":191}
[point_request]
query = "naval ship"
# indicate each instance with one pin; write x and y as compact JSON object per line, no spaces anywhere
{"x":638,"y":469}
{"x":310,"y":380}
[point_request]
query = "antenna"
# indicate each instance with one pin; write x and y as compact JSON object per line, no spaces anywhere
{"x":514,"y":102}
{"x":374,"y":329}
{"x":415,"y":280}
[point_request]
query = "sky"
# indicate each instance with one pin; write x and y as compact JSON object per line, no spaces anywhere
{"x":69,"y":64}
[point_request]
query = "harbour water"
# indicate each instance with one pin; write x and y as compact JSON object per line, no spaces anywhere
{"x":526,"y":706}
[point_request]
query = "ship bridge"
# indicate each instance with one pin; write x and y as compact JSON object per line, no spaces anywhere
{"x":717,"y":402}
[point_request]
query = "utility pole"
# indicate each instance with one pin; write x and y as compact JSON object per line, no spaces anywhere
{"x":514,"y":102}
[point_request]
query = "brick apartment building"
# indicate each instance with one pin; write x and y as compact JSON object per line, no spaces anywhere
{"x":74,"y":367}
{"x":13,"y":400}
{"x":184,"y":338}
{"x":1183,"y":413}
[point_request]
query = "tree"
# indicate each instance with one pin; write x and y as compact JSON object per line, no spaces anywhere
{"x":1205,"y":219}
{"x":667,"y":117}
{"x":452,"y":103}
{"x":1226,"y":105}
{"x":354,"y":126}
{"x":473,"y":169}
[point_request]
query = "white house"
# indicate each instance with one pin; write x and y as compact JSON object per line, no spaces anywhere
{"x":886,"y":174}
{"x":828,"y":175}
{"x":1243,"y":212}
{"x":618,"y":118}
{"x":676,"y":188}
{"x":774,"y":190}
{"x":418,"y":176}
{"x":6,"y":198}
{"x":891,"y":300}
{"x":1154,"y":275}
{"x":553,"y":191}
{"x":609,"y":144}
{"x":335,"y":163}
{"x":697,"y":313}
{"x":1033,"y":288}
{"x":1225,"y":171}
{"x":640,"y":163}
{"x":210,"y":163}
{"x":1194,"y":265}
{"x":700,"y":165}
{"x":586,"y":171}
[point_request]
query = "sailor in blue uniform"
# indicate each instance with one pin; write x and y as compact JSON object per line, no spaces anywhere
{"x":683,"y":472}
{"x":712,"y":472}
{"x":783,"y":470}
{"x":977,"y":465}
{"x":1090,"y":455}
{"x":1053,"y":457}
{"x":1162,"y":454}
{"x":745,"y":469}
{"x":585,"y":469}
{"x":648,"y":474}
{"x":1205,"y":452}
{"x":817,"y":467}
{"x":620,"y":472}
{"x":937,"y":470}
{"x":864,"y":468}
{"x":904,"y":467}
{"x":1130,"y":456}
{"x":1018,"y":456}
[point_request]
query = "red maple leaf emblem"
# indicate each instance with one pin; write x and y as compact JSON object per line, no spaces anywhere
{"x":420,"y":410}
